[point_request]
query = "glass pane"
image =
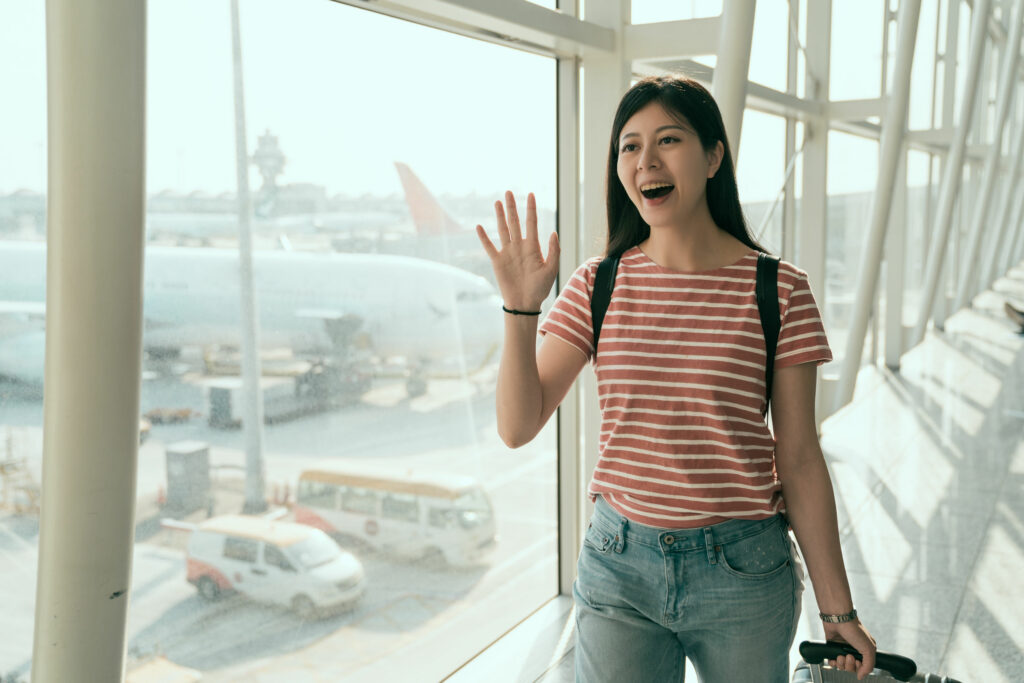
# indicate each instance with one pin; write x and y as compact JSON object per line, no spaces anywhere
{"x":760,"y":173}
{"x":22,"y":344}
{"x":380,"y":325}
{"x":650,"y":11}
{"x":852,"y":171}
{"x":770,"y":43}
{"x":379,"y":322}
{"x":856,"y":55}
{"x":920,"y":219}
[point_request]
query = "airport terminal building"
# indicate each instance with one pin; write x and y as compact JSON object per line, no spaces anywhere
{"x":257,"y":417}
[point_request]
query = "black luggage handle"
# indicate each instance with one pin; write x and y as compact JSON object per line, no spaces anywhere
{"x":901,"y":668}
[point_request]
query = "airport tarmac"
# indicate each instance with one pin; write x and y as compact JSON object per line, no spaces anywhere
{"x":409,"y":606}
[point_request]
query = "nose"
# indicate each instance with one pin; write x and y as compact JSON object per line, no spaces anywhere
{"x":648,"y":158}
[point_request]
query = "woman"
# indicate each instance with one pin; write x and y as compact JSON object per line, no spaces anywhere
{"x":688,"y":552}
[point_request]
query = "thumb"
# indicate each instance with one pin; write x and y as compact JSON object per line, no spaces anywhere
{"x":553,"y":249}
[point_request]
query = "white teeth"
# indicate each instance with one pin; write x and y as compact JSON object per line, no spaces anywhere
{"x":653,"y":186}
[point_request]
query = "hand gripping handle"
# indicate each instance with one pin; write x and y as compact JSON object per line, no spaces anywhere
{"x":901,"y":668}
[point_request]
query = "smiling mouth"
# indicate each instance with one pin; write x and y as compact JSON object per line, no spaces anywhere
{"x":658,"y":192}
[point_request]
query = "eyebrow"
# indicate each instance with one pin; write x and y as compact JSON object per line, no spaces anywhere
{"x":629,"y":135}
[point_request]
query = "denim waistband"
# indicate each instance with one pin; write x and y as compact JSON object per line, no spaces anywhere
{"x":676,"y":540}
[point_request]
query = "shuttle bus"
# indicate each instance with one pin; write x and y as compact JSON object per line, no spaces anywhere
{"x":407,"y":515}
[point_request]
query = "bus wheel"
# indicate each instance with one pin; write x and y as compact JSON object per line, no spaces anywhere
{"x":303,"y":607}
{"x":208,"y":590}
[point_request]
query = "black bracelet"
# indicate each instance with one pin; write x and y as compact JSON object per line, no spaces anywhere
{"x":514,"y":312}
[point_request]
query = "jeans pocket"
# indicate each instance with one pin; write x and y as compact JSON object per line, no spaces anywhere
{"x":599,"y":539}
{"x":759,"y":556}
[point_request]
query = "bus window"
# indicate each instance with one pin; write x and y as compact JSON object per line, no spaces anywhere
{"x":404,"y":508}
{"x":359,"y":500}
{"x":317,"y":494}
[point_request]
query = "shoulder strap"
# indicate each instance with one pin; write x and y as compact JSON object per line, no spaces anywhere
{"x":768,"y":305}
{"x":601,"y":295}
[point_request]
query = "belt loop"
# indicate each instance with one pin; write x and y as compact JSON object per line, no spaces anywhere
{"x":620,"y":537}
{"x":709,"y":545}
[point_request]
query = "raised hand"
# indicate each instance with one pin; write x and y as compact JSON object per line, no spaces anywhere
{"x":524,"y":276}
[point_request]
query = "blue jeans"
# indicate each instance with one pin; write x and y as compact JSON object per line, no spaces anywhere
{"x":727,"y":596}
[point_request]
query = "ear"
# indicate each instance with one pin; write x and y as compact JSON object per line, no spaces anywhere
{"x":715,"y":158}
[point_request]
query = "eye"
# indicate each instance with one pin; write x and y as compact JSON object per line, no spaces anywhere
{"x":669,"y":137}
{"x":625,"y":148}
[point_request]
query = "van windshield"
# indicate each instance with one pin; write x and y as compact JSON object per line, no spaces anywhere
{"x":314,"y":551}
{"x":474,"y":508}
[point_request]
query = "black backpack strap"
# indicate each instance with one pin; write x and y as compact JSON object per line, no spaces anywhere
{"x":601,"y":295}
{"x":768,"y":304}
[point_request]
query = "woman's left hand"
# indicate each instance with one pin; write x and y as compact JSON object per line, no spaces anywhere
{"x":853,"y":633}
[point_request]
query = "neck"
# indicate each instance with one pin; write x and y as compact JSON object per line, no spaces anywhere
{"x":698,"y":244}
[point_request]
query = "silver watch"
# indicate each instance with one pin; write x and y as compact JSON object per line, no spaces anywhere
{"x":838,"y":618}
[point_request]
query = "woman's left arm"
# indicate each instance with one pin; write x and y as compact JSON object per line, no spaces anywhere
{"x":811,"y":506}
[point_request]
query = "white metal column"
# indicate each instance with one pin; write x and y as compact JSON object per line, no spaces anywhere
{"x":1007,"y":79}
{"x":952,"y":167}
{"x":811,"y":237}
{"x":571,"y":478}
{"x":606,"y":77}
{"x":893,"y":131}
{"x":96,"y":69}
{"x":1013,"y":253}
{"x":729,"y":83}
{"x":895,"y":266}
{"x":788,"y":246}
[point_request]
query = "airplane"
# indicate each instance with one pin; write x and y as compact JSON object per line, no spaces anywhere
{"x":433,"y":235}
{"x":318,"y":304}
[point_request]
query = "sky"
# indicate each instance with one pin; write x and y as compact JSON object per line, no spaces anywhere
{"x":348,"y":92}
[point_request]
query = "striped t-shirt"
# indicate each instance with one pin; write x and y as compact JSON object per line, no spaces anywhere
{"x":681,"y":385}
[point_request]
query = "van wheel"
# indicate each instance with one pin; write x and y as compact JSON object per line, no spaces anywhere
{"x":208,"y":590}
{"x":303,"y":607}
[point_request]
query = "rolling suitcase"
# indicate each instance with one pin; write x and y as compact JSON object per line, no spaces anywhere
{"x":888,"y":667}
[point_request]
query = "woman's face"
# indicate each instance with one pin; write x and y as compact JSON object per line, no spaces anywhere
{"x":656,"y":150}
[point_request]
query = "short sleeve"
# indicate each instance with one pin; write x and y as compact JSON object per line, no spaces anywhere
{"x":802,"y":334}
{"x":569,"y":318}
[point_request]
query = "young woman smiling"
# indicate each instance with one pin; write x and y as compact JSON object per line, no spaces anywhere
{"x":688,"y":553}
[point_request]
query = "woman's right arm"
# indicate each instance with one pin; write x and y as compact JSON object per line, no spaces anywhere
{"x":531,"y":383}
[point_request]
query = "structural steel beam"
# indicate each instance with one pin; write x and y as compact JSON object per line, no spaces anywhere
{"x":729,"y":86}
{"x":952,"y":170}
{"x":891,"y":147}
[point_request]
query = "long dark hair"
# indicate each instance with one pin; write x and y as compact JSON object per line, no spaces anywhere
{"x":689,"y":102}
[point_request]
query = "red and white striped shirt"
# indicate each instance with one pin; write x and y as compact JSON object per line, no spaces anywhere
{"x":681,"y":386}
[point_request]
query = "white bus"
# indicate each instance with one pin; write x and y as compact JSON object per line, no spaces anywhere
{"x":402,"y":514}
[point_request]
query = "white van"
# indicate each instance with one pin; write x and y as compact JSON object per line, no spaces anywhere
{"x":277,"y":562}
{"x":401,"y":513}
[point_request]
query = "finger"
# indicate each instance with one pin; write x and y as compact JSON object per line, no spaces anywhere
{"x":502,"y":227}
{"x":486,"y":241}
{"x":554,"y":249}
{"x":514,"y":232}
{"x":531,"y":217}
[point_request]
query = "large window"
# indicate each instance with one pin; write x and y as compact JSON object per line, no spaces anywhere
{"x":760,"y":173}
{"x":852,"y":173}
{"x":375,"y":147}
